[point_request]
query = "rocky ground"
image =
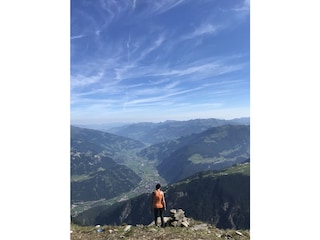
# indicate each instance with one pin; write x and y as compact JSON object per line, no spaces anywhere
{"x":195,"y":231}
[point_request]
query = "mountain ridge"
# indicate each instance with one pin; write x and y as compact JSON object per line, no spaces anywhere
{"x":152,"y":133}
{"x":95,"y":174}
{"x":221,"y":198}
{"x":214,"y":148}
{"x":96,"y":141}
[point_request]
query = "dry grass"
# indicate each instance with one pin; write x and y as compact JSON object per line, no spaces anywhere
{"x":154,"y":233}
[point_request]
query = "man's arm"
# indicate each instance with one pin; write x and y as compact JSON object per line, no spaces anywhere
{"x":152,"y":195}
{"x":164,"y":202}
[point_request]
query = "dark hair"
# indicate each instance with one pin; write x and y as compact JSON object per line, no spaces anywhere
{"x":158,"y":186}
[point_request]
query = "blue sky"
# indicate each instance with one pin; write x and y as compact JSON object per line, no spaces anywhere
{"x":143,"y":60}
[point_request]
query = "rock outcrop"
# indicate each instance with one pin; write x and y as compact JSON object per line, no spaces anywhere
{"x":177,"y":219}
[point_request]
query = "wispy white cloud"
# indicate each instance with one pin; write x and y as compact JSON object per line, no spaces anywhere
{"x":83,"y":101}
{"x":171,"y":85}
{"x":77,"y":36}
{"x":204,"y":29}
{"x":150,"y":89}
{"x":161,"y":98}
{"x":161,"y":6}
{"x":155,"y":45}
{"x":115,"y":9}
{"x":190,"y":70}
{"x":242,"y":7}
{"x":81,"y":80}
{"x":166,"y":87}
{"x":199,"y":70}
{"x":226,"y":83}
{"x":134,"y":2}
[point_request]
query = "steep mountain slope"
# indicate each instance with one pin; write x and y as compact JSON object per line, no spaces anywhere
{"x":99,"y":177}
{"x":95,"y":141}
{"x":221,"y":198}
{"x":152,"y":133}
{"x":94,"y":174}
{"x":215,"y":148}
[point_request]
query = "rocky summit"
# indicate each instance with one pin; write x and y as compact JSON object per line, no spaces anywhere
{"x":177,"y":227}
{"x":196,"y":230}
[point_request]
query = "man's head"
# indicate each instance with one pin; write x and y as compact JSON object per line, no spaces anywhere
{"x":158,"y":186}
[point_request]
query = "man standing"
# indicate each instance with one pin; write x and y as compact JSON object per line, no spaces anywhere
{"x":158,"y":204}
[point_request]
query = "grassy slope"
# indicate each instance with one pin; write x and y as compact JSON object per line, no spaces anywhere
{"x":242,"y":168}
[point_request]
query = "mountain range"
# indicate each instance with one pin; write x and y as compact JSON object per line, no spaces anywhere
{"x":221,"y":198}
{"x":97,"y":142}
{"x":152,"y":133}
{"x":215,"y":148}
{"x":112,"y":175}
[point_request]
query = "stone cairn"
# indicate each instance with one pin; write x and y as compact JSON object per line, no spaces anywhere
{"x":177,"y":219}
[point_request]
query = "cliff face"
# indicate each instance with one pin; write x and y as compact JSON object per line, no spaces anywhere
{"x":223,"y":201}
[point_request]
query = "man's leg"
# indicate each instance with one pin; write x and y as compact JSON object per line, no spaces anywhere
{"x":161,"y":216}
{"x":155,"y":212}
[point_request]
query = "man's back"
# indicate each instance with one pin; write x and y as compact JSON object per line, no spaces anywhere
{"x":157,"y":199}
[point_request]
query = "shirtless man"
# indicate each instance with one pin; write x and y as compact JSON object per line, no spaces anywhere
{"x":158,"y":204}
